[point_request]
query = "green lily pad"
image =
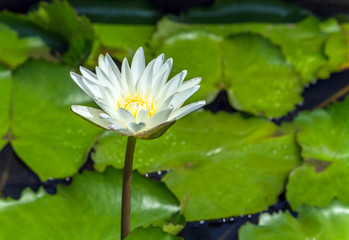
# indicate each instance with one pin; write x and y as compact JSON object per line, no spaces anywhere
{"x":186,"y":49}
{"x":50,"y":139}
{"x":232,"y":149}
{"x":312,"y":223}
{"x":325,"y":180}
{"x":324,"y":134}
{"x":150,"y":233}
{"x":88,"y":209}
{"x":334,"y":48}
{"x":5,"y":86}
{"x":60,"y":18}
{"x":261,"y":80}
{"x":234,"y":171}
{"x":15,"y":50}
{"x":324,"y":138}
{"x":301,"y":43}
{"x":244,"y":64}
{"x":119,"y":40}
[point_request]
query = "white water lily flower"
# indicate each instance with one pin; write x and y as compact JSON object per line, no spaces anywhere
{"x":138,"y":101}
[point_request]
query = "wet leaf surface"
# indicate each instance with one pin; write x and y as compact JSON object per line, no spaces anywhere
{"x":50,"y":139}
{"x":68,"y":214}
{"x":234,"y":147}
{"x":324,"y":138}
{"x":312,"y":223}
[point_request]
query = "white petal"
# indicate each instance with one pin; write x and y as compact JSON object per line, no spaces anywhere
{"x":126,"y":76}
{"x":125,"y":116}
{"x":166,"y":103}
{"x":113,"y":70}
{"x":136,"y":127}
{"x":108,"y":109}
{"x":102,"y":63}
{"x":105,"y":81}
{"x":181,"y":97}
{"x":181,"y":112}
{"x":171,"y":87}
{"x":124,"y":132}
{"x":89,"y":87}
{"x":145,"y":80}
{"x":138,"y":64}
{"x":158,"y":63}
{"x":88,"y":74}
{"x":114,"y":121}
{"x":161,"y":77}
{"x":159,"y":118}
{"x":142,"y":115}
{"x":189,"y":84}
{"x":90,"y":114}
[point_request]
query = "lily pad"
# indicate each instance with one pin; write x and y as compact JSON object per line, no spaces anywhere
{"x":60,"y":18}
{"x":150,"y":233}
{"x":88,"y":209}
{"x":301,"y":43}
{"x":233,"y":148}
{"x":334,"y":48}
{"x":312,"y":223}
{"x":325,"y":180}
{"x":261,"y":80}
{"x":186,"y":49}
{"x":50,"y":139}
{"x":324,"y":134}
{"x":5,"y":86}
{"x":119,"y":40}
{"x":15,"y":50}
{"x":324,"y":138}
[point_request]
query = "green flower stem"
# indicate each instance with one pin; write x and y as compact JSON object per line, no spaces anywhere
{"x":126,"y":188}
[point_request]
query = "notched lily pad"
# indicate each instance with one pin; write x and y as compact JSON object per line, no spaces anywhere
{"x":261,"y":81}
{"x":200,"y":53}
{"x":119,"y":40}
{"x":5,"y":86}
{"x":323,"y":135}
{"x":312,"y":223}
{"x":88,"y":209}
{"x":319,"y":165}
{"x":15,"y":50}
{"x":50,"y":139}
{"x":231,"y":149}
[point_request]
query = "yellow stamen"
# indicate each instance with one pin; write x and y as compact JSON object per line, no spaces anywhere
{"x":136,"y":102}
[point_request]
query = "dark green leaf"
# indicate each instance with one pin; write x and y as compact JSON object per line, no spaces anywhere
{"x":5,"y":86}
{"x":124,"y":12}
{"x":324,"y":138}
{"x":213,"y":157}
{"x":60,"y":18}
{"x":262,"y":81}
{"x":312,"y":223}
{"x":227,"y":11}
{"x":15,"y":50}
{"x":50,"y":139}
{"x":150,"y":233}
{"x":88,"y":209}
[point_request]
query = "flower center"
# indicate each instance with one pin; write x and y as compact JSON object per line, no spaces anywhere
{"x":136,"y":102}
